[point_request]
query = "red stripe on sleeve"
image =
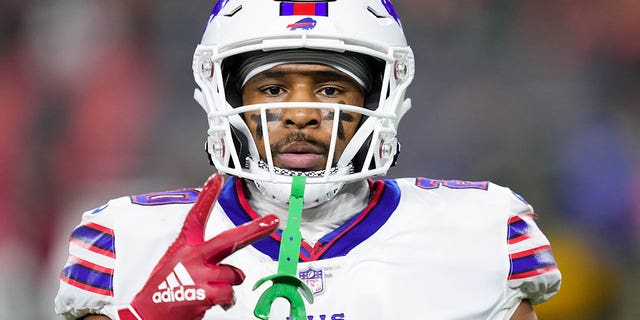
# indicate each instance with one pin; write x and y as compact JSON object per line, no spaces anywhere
{"x":92,"y":248}
{"x":532,"y":273}
{"x":85,"y":287}
{"x":529,"y":252}
{"x":99,"y":228}
{"x":91,"y":265}
{"x":519,"y":239}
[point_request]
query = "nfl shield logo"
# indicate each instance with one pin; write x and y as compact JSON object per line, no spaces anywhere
{"x":314,"y":278}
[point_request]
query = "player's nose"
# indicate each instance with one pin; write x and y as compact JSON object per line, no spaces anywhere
{"x":302,"y":117}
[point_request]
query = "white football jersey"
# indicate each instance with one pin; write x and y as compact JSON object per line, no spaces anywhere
{"x":421,"y":249}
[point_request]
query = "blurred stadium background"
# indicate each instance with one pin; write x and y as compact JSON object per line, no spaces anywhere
{"x":542,"y":96}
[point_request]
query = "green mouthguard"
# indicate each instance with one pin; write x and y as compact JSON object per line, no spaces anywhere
{"x":285,"y":283}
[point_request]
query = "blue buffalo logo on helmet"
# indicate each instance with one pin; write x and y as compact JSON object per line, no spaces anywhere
{"x":304,"y":24}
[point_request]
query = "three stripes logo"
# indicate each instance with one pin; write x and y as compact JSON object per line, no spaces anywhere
{"x":173,"y":288}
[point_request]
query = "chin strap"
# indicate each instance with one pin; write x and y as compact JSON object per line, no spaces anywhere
{"x":314,"y":195}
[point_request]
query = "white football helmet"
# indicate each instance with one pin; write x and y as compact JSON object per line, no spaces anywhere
{"x":369,"y":28}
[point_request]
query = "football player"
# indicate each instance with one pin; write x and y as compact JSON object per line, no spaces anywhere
{"x":312,"y":88}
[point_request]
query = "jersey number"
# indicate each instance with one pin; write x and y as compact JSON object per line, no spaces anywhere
{"x":167,"y":197}
{"x":428,"y":184}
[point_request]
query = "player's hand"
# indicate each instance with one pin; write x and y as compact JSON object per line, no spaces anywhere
{"x":188,"y":279}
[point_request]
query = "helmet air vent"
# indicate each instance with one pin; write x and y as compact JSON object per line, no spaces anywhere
{"x":233,"y":12}
{"x":375,"y":13}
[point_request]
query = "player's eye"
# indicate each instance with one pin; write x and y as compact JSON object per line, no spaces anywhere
{"x":272,"y":90}
{"x":330,"y":91}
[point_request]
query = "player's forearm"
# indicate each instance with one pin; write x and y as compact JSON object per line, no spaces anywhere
{"x":524,"y":312}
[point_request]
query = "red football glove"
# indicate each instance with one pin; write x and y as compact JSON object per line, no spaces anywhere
{"x":188,"y":279}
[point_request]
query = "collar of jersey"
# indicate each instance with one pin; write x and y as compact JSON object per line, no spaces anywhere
{"x":339,"y":242}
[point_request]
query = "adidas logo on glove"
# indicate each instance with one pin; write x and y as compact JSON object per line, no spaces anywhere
{"x":173,"y":288}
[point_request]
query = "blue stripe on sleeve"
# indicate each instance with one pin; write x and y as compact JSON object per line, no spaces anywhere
{"x":88,"y":276}
{"x":94,"y":237}
{"x":532,"y":262}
